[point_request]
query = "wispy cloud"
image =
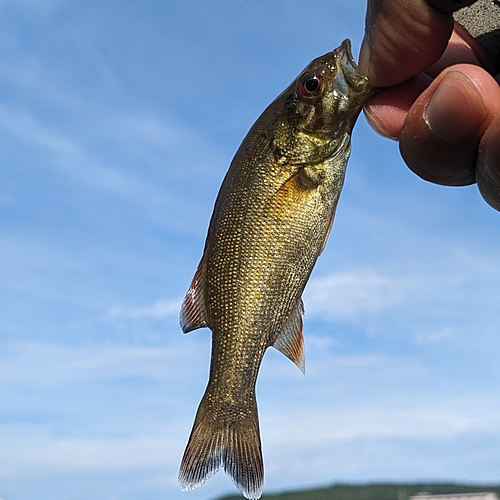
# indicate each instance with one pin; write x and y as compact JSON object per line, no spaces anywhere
{"x":436,"y":420}
{"x":433,"y":336}
{"x":440,"y":303}
{"x":57,"y":362}
{"x":170,"y":155}
{"x":165,"y":143}
{"x":68,"y":156}
{"x":38,"y":268}
{"x":31,"y":450}
{"x":346,"y":295}
{"x":160,"y":309}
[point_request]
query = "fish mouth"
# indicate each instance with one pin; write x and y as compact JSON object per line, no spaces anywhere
{"x":346,"y":48}
{"x":351,"y":72}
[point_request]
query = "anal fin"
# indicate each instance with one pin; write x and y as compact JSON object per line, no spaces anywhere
{"x":193,"y":313}
{"x":290,"y":340}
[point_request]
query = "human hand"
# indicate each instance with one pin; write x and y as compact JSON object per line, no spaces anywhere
{"x":438,"y":97}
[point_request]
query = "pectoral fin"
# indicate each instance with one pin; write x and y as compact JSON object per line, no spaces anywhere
{"x":290,"y":340}
{"x":193,"y":313}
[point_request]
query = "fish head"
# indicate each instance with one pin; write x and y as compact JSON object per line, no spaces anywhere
{"x":326,"y":98}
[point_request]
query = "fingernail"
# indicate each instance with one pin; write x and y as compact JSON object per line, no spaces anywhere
{"x":456,"y":110}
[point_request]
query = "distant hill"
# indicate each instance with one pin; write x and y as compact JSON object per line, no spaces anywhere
{"x":375,"y":491}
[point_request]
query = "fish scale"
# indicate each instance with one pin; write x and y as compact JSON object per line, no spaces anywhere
{"x":270,"y":222}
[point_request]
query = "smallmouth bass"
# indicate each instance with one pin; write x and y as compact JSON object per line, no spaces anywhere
{"x":270,"y":222}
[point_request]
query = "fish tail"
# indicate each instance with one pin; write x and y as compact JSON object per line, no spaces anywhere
{"x":216,"y":443}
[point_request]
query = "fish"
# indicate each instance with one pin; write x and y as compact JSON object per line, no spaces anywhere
{"x":270,"y":222}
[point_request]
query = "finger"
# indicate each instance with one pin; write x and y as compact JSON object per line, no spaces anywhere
{"x":442,"y":130}
{"x":402,"y":38}
{"x":387,"y":110}
{"x":488,"y":164}
{"x":462,"y":48}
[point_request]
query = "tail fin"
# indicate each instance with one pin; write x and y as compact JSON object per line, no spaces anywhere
{"x":234,"y":445}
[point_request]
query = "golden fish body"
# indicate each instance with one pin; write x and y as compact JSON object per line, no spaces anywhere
{"x":270,"y":223}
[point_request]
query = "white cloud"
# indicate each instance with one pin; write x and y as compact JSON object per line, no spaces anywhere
{"x":163,"y":188}
{"x":46,"y":363}
{"x":435,"y":419}
{"x":379,"y":436}
{"x":68,"y":154}
{"x":434,"y":336}
{"x":440,"y":303}
{"x":39,"y":268}
{"x":165,"y":142}
{"x":347,"y":295}
{"x":160,"y":309}
{"x":31,"y":450}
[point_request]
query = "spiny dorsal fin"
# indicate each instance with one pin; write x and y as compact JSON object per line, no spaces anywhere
{"x":193,"y":313}
{"x":290,"y":340}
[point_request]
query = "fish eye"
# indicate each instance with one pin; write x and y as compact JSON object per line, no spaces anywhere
{"x":310,"y":85}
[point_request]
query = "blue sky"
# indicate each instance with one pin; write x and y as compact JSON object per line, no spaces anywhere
{"x":118,"y":121}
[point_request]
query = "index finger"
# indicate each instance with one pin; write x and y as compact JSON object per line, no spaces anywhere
{"x":402,"y":38}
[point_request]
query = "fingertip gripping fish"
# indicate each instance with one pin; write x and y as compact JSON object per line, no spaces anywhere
{"x":270,"y":223}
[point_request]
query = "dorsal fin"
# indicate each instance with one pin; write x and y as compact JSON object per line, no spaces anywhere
{"x":290,"y":340}
{"x":193,"y":313}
